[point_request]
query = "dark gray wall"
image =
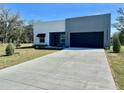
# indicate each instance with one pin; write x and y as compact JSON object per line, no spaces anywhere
{"x":95,"y":23}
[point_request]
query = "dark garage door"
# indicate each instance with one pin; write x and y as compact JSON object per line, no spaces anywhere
{"x":87,"y":39}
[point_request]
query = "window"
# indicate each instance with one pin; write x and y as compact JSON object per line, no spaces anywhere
{"x":41,"y":38}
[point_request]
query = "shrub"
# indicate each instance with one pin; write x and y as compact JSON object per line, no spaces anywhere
{"x":121,"y":37}
{"x":116,"y":43}
{"x":9,"y":49}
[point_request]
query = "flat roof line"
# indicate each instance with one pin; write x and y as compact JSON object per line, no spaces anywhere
{"x":90,"y":15}
{"x":74,"y":17}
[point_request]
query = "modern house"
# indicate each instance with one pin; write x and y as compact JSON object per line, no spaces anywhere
{"x":86,"y":31}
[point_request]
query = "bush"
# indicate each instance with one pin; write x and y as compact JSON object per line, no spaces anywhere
{"x":116,"y":43}
{"x":9,"y":49}
{"x":121,"y":37}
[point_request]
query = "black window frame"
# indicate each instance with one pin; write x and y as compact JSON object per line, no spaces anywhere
{"x":41,"y":37}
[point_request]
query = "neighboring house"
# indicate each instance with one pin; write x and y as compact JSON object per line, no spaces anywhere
{"x":86,"y":31}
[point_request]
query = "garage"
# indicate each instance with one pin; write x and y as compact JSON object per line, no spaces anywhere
{"x":87,"y":39}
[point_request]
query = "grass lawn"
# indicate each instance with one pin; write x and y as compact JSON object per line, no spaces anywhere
{"x":116,"y":61}
{"x":21,"y":55}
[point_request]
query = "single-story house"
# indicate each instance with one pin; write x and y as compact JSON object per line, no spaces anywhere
{"x":86,"y":31}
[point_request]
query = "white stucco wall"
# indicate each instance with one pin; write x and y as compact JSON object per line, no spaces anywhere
{"x":94,"y":23}
{"x":46,"y":27}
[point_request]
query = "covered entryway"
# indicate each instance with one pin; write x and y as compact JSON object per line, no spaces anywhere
{"x":57,"y":39}
{"x":87,"y":39}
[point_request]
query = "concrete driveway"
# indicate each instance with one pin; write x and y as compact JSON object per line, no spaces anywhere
{"x":72,"y":68}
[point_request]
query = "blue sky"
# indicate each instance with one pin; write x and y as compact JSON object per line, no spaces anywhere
{"x":46,"y":12}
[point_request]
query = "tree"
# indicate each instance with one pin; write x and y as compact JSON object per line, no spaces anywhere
{"x":13,"y":29}
{"x":116,"y":43}
{"x":9,"y":23}
{"x":27,"y":34}
{"x":119,"y":25}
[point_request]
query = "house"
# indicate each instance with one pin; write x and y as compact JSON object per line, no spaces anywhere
{"x":86,"y":31}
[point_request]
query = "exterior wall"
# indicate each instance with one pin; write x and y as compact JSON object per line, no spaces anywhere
{"x":96,"y":23}
{"x":47,"y":27}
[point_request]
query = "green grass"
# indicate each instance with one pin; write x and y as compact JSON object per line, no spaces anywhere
{"x":21,"y":55}
{"x":122,"y":49}
{"x":116,"y":61}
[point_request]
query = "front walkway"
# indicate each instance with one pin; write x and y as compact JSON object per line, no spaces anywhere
{"x":72,"y":68}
